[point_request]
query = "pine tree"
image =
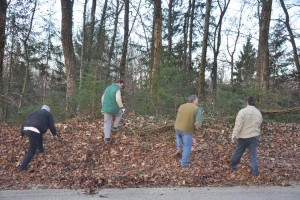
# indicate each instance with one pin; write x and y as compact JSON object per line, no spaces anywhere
{"x":245,"y":66}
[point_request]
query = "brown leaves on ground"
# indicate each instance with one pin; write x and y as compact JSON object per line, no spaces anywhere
{"x":81,"y":160}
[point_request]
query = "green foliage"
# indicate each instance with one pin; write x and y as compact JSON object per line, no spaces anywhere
{"x":89,"y":97}
{"x":174,"y":86}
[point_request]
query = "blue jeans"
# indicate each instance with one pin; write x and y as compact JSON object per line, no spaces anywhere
{"x":108,"y":117}
{"x":242,"y":145}
{"x":184,"y":142}
{"x":35,"y":142}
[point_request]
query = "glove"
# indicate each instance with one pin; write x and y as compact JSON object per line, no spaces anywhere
{"x":122,"y":110}
{"x":232,"y":138}
{"x":197,"y":125}
{"x":58,"y":134}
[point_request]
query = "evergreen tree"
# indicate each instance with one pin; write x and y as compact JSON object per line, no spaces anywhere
{"x":245,"y":66}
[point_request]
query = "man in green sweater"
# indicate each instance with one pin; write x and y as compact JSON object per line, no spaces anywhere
{"x":189,"y":117}
{"x":112,"y":106}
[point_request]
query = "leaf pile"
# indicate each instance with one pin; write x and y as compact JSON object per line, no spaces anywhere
{"x":81,"y":160}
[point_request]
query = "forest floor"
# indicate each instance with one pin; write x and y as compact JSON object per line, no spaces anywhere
{"x":137,"y":158}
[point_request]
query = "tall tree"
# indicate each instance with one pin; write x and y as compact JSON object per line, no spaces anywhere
{"x":292,"y":40}
{"x":191,"y":31}
{"x":201,"y":89}
{"x":217,"y":42}
{"x":91,"y":30}
{"x":125,"y":40}
{"x":156,"y":44}
{"x":27,"y":55}
{"x":237,"y":24}
{"x":3,"y":9}
{"x":113,"y":39}
{"x":69,"y":56}
{"x":170,"y":28}
{"x":262,"y":64}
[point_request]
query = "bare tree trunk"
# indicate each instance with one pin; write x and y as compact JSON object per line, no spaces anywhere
{"x":231,"y":53}
{"x":185,"y":37}
{"x":101,"y":41}
{"x":83,"y":60}
{"x":125,"y":41}
{"x":84,"y":45}
{"x":69,"y":56}
{"x":27,"y":65}
{"x":217,"y":44}
{"x":191,"y":29}
{"x":263,"y":71}
{"x":113,"y":39}
{"x":170,"y":29}
{"x":292,"y":39}
{"x":201,"y":89}
{"x":3,"y":9}
{"x":91,"y":31}
{"x":156,"y":44}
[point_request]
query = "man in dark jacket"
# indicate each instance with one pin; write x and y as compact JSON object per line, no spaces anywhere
{"x":34,"y":127}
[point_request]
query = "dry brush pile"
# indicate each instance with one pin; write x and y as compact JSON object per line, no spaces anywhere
{"x":81,"y":160}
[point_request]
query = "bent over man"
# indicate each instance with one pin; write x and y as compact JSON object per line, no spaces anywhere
{"x":37,"y":123}
{"x":189,"y":116}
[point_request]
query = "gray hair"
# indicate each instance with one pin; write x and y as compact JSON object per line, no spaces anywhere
{"x":45,"y":107}
{"x":192,"y":98}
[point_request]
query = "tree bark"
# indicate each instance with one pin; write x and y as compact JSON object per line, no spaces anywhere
{"x":125,"y":41}
{"x":156,"y":44}
{"x":201,"y":89}
{"x":69,"y":56}
{"x":263,"y":71}
{"x":3,"y":10}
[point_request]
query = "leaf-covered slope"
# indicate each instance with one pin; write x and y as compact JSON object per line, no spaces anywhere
{"x":81,"y":159}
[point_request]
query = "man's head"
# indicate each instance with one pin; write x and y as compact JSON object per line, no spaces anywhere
{"x":251,"y":101}
{"x":120,"y":83}
{"x":45,"y":107}
{"x":193,"y":99}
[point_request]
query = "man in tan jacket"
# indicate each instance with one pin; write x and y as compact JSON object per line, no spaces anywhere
{"x":247,"y":131}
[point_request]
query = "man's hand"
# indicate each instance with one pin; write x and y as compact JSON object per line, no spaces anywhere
{"x":122,"y":110}
{"x":232,"y":138}
{"x":197,"y":125}
{"x":58,"y":134}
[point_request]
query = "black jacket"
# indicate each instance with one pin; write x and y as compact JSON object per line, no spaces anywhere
{"x":40,"y":119}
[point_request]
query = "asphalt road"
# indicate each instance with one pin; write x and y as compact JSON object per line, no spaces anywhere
{"x":209,"y":193}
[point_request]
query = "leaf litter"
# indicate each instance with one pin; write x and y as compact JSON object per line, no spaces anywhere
{"x":81,"y":160}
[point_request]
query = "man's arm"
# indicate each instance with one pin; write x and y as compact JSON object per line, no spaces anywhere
{"x":238,"y":125}
{"x":119,"y":99}
{"x":199,"y":118}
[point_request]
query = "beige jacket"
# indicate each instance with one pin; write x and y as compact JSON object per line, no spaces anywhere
{"x":247,"y":123}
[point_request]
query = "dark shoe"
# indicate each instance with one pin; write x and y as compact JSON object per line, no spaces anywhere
{"x":186,"y":166}
{"x":107,"y":140}
{"x":40,"y":151}
{"x":21,"y":169}
{"x":178,"y":153}
{"x":114,"y":129}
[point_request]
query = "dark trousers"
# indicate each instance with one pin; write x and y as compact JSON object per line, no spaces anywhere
{"x":242,"y":145}
{"x":35,"y":142}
